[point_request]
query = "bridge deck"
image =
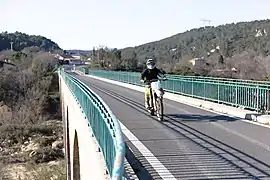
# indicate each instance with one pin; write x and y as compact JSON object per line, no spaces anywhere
{"x":191,"y":143}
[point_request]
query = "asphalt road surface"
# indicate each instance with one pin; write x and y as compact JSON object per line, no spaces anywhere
{"x":191,"y":143}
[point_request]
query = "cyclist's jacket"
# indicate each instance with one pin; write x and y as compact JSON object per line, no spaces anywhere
{"x":149,"y":74}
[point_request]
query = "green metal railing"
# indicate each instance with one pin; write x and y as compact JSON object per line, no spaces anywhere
{"x":220,"y":79}
{"x":253,"y":95}
{"x":104,"y":124}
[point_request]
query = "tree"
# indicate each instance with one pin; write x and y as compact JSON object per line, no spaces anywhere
{"x":22,"y":40}
{"x":133,"y":62}
{"x":215,"y":44}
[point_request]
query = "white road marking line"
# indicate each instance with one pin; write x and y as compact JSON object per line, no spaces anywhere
{"x":163,"y":172}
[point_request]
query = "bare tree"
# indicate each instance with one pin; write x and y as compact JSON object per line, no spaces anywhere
{"x":250,"y":65}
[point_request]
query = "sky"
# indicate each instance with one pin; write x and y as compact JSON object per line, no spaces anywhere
{"x":82,"y":24}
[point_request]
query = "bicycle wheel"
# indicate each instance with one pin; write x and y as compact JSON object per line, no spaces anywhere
{"x":152,"y":100}
{"x":159,"y":108}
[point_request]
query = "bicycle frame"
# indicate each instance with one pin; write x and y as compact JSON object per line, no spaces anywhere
{"x":156,"y":88}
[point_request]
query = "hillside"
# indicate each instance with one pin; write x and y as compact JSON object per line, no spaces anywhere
{"x":241,"y":46}
{"x":231,"y":39}
{"x":22,"y":40}
{"x":86,"y":52}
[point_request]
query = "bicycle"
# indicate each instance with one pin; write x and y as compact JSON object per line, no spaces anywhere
{"x":157,"y":93}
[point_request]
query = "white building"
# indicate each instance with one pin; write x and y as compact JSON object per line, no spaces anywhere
{"x":197,"y":61}
{"x":78,"y":57}
{"x":70,"y":59}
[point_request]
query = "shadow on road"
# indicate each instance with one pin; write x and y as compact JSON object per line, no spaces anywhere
{"x":196,"y":117}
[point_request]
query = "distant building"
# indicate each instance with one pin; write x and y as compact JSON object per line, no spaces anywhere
{"x":197,"y":61}
{"x":78,"y":57}
{"x":63,"y":56}
{"x":260,"y":32}
{"x":76,"y":61}
{"x":69,"y":59}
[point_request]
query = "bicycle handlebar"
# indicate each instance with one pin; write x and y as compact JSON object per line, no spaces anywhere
{"x":154,"y":80}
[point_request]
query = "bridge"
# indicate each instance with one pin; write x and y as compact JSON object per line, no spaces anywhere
{"x":214,"y":128}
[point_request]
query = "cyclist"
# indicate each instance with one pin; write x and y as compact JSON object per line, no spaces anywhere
{"x":151,"y":72}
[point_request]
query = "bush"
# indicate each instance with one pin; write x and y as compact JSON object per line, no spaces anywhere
{"x":30,"y":99}
{"x":25,"y":89}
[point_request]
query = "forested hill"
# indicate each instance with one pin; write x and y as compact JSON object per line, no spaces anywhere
{"x":22,"y":40}
{"x":229,"y":39}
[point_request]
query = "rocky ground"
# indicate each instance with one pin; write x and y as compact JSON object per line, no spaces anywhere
{"x":39,"y":154}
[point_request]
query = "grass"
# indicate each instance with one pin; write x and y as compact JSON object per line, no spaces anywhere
{"x":31,"y":171}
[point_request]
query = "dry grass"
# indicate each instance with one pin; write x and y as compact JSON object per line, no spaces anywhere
{"x":47,"y":171}
{"x":34,"y":157}
{"x":29,"y":124}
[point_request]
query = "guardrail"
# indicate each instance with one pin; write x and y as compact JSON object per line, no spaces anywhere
{"x":253,"y":95}
{"x":105,"y":125}
{"x":220,"y":79}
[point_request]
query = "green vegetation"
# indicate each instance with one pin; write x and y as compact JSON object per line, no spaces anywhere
{"x":233,"y":50}
{"x":231,"y":38}
{"x":31,"y":132}
{"x":21,"y":41}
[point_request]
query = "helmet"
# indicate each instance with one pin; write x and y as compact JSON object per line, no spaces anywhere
{"x":150,"y":63}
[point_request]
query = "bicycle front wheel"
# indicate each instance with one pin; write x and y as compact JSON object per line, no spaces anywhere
{"x":159,"y":108}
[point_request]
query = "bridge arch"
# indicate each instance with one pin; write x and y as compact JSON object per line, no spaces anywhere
{"x":76,"y":158}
